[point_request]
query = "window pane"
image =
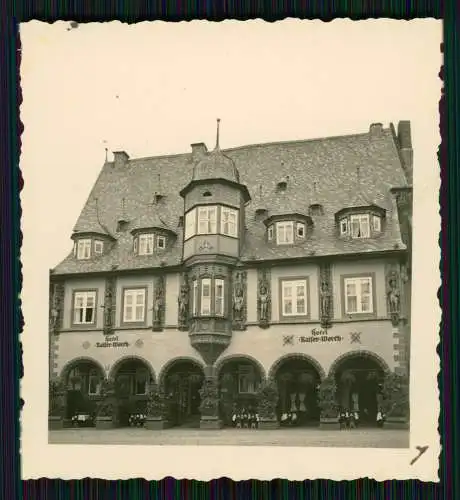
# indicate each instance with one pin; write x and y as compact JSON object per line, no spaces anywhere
{"x":287,"y":290}
{"x":128,"y":314}
{"x":287,"y":306}
{"x":354,"y":228}
{"x":300,"y":306}
{"x":190,"y":223}
{"x":365,"y":227}
{"x":365,"y":286}
{"x":365,"y":303}
{"x":195,"y":297}
{"x":78,"y":301}
{"x":351,"y":304}
{"x":89,"y":315}
{"x":351,"y":289}
{"x":140,"y":298}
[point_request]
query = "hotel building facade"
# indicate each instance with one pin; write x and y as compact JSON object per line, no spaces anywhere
{"x":287,"y":260}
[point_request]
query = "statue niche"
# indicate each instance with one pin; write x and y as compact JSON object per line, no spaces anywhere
{"x":109,"y":305}
{"x":239,"y":300}
{"x":159,"y":305}
{"x":325,"y":297}
{"x":264,"y":299}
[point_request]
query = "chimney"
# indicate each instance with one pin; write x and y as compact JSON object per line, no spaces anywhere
{"x":375,"y":130}
{"x":199,"y":150}
{"x":405,"y":148}
{"x":120,"y":158}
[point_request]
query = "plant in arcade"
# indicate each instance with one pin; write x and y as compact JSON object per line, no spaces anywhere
{"x":327,"y":398}
{"x":56,"y":396}
{"x":395,"y":395}
{"x":267,"y":399}
{"x":158,"y":402}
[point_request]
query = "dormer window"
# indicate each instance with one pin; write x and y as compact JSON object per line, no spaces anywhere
{"x":270,"y":233}
{"x":376,"y":223}
{"x":161,"y":242}
{"x":84,"y":249}
{"x":98,"y":247}
{"x":146,"y":244}
{"x":343,"y":227}
{"x":359,"y":226}
{"x":284,"y":233}
{"x":300,"y":230}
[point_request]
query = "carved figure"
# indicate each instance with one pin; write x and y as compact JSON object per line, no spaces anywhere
{"x":108,"y":308}
{"x":325,"y":301}
{"x":238,"y":298}
{"x":158,"y":306}
{"x":264,"y":299}
{"x":183,"y":300}
{"x":393,"y":295}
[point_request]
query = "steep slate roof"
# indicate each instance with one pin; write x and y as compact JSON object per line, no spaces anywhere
{"x":329,"y":164}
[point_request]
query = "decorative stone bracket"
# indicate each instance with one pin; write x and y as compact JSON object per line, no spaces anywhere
{"x":264,"y":298}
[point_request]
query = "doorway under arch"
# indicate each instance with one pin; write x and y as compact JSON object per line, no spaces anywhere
{"x":182,"y":379}
{"x":82,"y":379}
{"x":132,"y":377}
{"x":298,"y":378}
{"x":359,"y":377}
{"x":239,"y":379}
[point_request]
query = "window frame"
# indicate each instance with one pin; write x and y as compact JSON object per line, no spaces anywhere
{"x":98,"y":377}
{"x":285,"y":224}
{"x":295,"y":314}
{"x":359,"y":313}
{"x":86,"y":291}
{"x":270,"y":232}
{"x":360,"y":218}
{"x":219,"y":282}
{"x":302,"y":226}
{"x":208,"y":220}
{"x":89,"y":243}
{"x":344,"y":226}
{"x":229,"y":211}
{"x":376,"y":218}
{"x":98,"y":243}
{"x":202,"y":297}
{"x":124,"y":292}
{"x":198,"y":300}
{"x":245,"y":371}
{"x":162,"y":238}
{"x":190,"y":223}
{"x":145,"y":237}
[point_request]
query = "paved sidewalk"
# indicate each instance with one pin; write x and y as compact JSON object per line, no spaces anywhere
{"x":360,"y":438}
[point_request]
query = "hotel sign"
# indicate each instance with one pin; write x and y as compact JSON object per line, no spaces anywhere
{"x":112,"y":342}
{"x":317,"y":335}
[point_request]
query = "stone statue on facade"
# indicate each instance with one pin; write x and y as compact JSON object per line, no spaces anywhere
{"x":108,"y":307}
{"x":238,"y":301}
{"x":264,"y":302}
{"x":158,"y":307}
{"x":394,"y":297}
{"x":325,"y":304}
{"x":183,"y":305}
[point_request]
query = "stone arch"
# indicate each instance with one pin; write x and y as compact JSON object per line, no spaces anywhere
{"x":358,"y":354}
{"x":296,"y":356}
{"x":180,"y":359}
{"x":131,"y":357}
{"x":243,"y":357}
{"x":76,"y":361}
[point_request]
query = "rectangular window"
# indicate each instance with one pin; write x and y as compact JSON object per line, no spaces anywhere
{"x":134,"y":306}
{"x":284,"y":233}
{"x":376,"y":223}
{"x":359,"y":226}
{"x":161,"y":242}
{"x":145,"y":244}
{"x":94,"y":385}
{"x":246,"y":380}
{"x":195,"y":298}
{"x":84,"y":249}
{"x":84,"y":308}
{"x":228,"y":221}
{"x":219,"y":297}
{"x":207,"y":220}
{"x":190,"y":221}
{"x":358,"y":295}
{"x":343,"y":227}
{"x":98,"y":247}
{"x":294,"y":298}
{"x":206,"y":297}
{"x":300,"y":230}
{"x":270,"y":233}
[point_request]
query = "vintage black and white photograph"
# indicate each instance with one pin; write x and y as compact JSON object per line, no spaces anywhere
{"x":230,"y":240}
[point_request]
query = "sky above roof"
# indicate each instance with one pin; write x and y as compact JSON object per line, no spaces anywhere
{"x":155,"y":88}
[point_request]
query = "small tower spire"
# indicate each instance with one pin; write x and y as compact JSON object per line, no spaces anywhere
{"x":217,"y":134}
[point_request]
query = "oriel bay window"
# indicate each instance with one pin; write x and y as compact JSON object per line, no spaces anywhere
{"x":358,"y":295}
{"x":209,"y":297}
{"x":84,"y":308}
{"x":134,"y":305}
{"x":211,"y":219}
{"x":294,"y":297}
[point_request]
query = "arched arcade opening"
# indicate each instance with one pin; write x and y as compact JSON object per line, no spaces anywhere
{"x":239,"y":380}
{"x":182,"y":379}
{"x":359,"y":377}
{"x":298,"y":377}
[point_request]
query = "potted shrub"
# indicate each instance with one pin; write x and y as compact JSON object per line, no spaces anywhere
{"x":395,"y":401}
{"x":107,"y":410}
{"x":209,"y":406}
{"x":329,"y":415}
{"x":56,"y":408}
{"x":158,"y":409}
{"x":267,"y":401}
